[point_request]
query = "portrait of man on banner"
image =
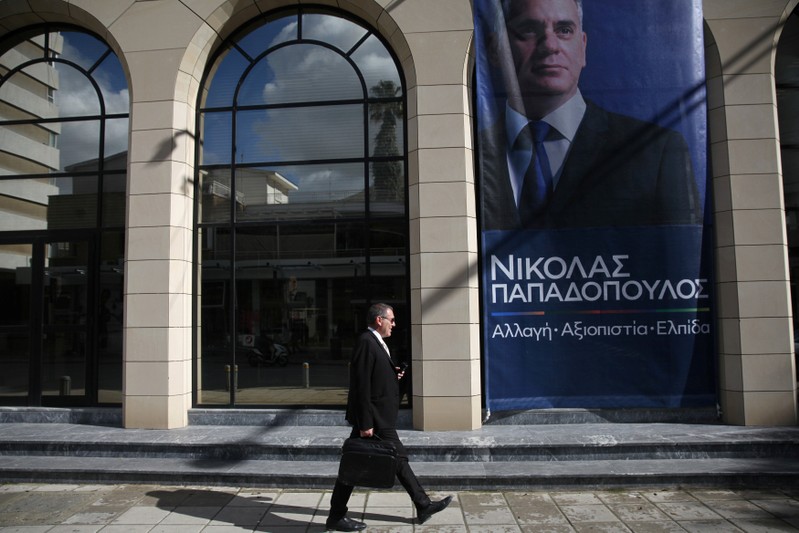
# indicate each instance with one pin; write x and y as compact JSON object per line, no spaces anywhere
{"x":591,"y":145}
{"x":551,"y":157}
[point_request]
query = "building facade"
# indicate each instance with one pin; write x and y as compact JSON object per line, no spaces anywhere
{"x":218,"y":255}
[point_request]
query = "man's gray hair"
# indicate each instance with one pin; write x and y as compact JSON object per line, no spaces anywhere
{"x":375,"y":311}
{"x":506,"y":4}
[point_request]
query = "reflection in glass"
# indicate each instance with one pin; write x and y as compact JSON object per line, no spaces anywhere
{"x":266,"y":36}
{"x":325,"y":76}
{"x":65,"y":318}
{"x":286,"y":281}
{"x":53,"y":172}
{"x":81,"y":48}
{"x":79,"y":145}
{"x":229,"y":69}
{"x":215,"y":190}
{"x":15,"y":314}
{"x":300,"y":134}
{"x":76,"y":96}
{"x":387,"y":188}
{"x":216,"y":129}
{"x":335,"y":31}
{"x":375,"y":63}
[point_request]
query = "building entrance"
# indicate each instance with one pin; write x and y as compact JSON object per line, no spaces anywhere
{"x":51,"y":333}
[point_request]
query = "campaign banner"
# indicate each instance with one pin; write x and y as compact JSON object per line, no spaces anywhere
{"x":592,"y":178}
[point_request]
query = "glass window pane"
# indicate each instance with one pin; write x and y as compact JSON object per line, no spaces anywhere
{"x":29,"y":149}
{"x":215,"y":187}
{"x":15,"y":315}
{"x":387,"y":244}
{"x":15,"y":280}
{"x":301,"y":192}
{"x":268,"y":35}
{"x":61,"y":203}
{"x":79,"y":145}
{"x":386,"y":129}
{"x":75,"y":205}
{"x":300,"y":73}
{"x":300,"y":134}
{"x":75,"y":95}
{"x":78,"y":47}
{"x":113,"y":85}
{"x":376,"y":63}
{"x":114,"y":204}
{"x":111,"y":320}
{"x":231,"y":66}
{"x":217,"y":138}
{"x":64,"y":364}
{"x":116,"y":144}
{"x":336,"y":31}
{"x":387,"y":189}
{"x":14,"y":363}
{"x":24,"y":203}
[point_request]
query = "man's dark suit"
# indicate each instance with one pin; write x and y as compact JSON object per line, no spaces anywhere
{"x":620,"y":171}
{"x":373,"y":402}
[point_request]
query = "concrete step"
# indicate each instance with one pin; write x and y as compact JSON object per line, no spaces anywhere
{"x":495,"y":456}
{"x":659,"y":473}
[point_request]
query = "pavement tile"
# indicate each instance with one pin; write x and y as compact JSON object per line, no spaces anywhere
{"x":576,"y":498}
{"x":588,"y":513}
{"x":241,"y":516}
{"x":81,"y":529}
{"x":548,"y":528}
{"x":389,"y":499}
{"x":495,"y":529}
{"x":487,"y":516}
{"x":141,"y":515}
{"x":638,"y":512}
{"x":764,"y":526}
{"x":179,"y":528}
{"x":25,"y":529}
{"x":667,"y":496}
{"x":301,"y":499}
{"x":620,"y":497}
{"x":186,"y":515}
{"x":388,"y":516}
{"x":601,"y":527}
{"x":688,"y":511}
{"x":709,"y":526}
{"x":740,"y":509}
{"x":474,"y":500}
{"x":668,"y":526}
{"x":781,"y":508}
{"x":538,"y":513}
{"x":425,"y":528}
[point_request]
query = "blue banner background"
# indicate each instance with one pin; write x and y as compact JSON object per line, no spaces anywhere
{"x":645,"y":58}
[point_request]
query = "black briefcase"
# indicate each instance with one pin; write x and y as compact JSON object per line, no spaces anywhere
{"x":368,"y":462}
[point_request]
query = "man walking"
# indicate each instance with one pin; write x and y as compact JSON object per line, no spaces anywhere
{"x":372,"y":409}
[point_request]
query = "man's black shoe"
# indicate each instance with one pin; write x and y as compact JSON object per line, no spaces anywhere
{"x":345,"y":524}
{"x":426,"y":512}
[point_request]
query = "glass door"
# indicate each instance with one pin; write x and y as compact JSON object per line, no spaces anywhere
{"x":15,"y":322}
{"x":65,"y":304}
{"x":46,"y":322}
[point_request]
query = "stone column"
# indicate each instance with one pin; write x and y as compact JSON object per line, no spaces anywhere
{"x":443,"y":234}
{"x":157,"y":379}
{"x":756,"y":370}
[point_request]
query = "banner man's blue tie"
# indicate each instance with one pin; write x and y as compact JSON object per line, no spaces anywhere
{"x":537,"y":186}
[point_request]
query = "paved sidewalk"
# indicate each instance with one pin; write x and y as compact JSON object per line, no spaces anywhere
{"x":34,"y":508}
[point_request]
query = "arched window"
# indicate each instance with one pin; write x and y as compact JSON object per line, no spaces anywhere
{"x":63,"y":158}
{"x":301,"y":208}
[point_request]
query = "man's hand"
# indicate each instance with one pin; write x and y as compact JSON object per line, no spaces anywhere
{"x":367,"y":432}
{"x":400,"y":372}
